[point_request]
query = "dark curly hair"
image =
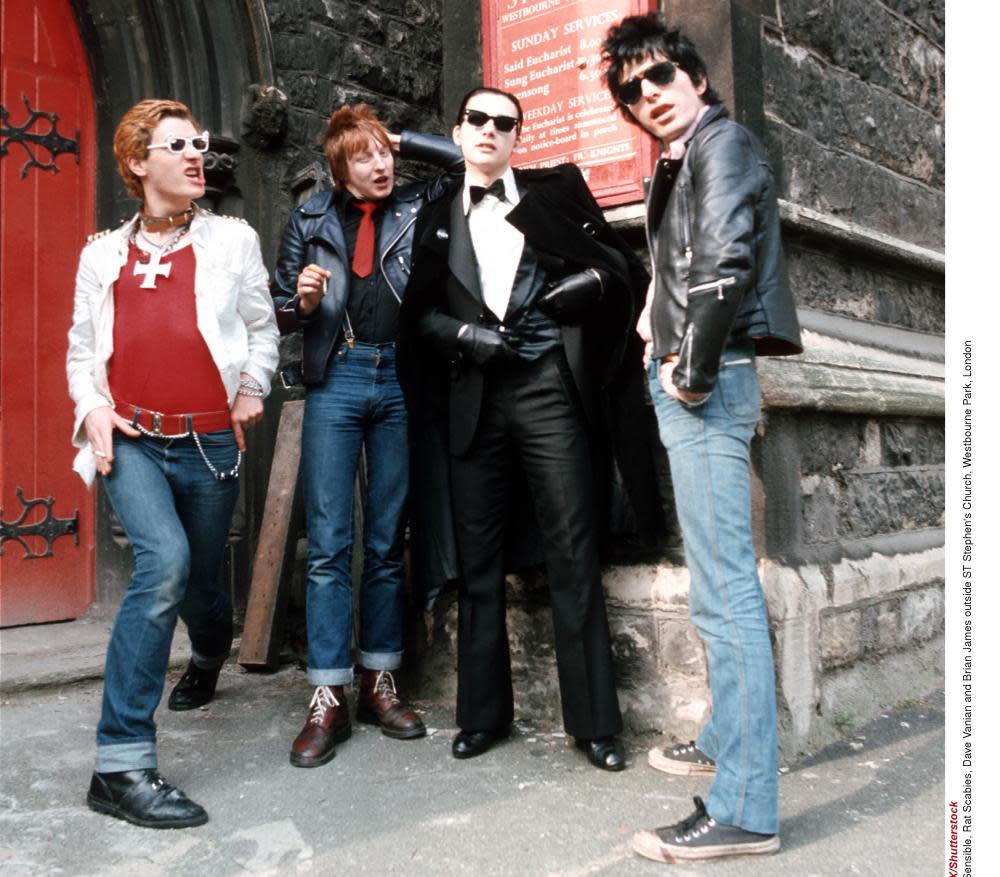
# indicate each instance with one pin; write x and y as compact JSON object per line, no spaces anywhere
{"x":639,"y":37}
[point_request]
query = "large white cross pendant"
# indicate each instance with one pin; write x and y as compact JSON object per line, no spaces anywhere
{"x":151,"y":270}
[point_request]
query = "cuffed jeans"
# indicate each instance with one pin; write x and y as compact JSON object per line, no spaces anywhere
{"x":709,"y":450}
{"x":176,"y":516}
{"x":358,"y":404}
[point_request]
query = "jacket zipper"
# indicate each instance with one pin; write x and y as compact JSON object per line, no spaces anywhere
{"x":687,"y":346}
{"x":686,"y":352}
{"x":686,"y":223}
{"x":388,"y":247}
{"x":719,"y":285}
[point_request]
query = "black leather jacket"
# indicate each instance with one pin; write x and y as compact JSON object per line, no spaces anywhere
{"x":314,"y":236}
{"x":715,"y":239}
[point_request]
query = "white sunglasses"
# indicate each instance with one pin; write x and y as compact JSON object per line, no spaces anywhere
{"x":177,"y":144}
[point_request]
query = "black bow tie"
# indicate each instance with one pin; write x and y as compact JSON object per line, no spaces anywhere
{"x":477,"y":193}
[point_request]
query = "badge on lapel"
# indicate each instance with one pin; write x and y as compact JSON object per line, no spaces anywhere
{"x":442,"y":234}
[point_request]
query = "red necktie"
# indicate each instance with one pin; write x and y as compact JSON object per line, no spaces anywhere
{"x":364,"y":246}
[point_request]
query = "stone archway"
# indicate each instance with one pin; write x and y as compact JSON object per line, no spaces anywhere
{"x":208,"y":55}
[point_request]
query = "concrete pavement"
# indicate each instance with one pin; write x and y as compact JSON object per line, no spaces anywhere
{"x":873,"y":803}
{"x":41,"y":655}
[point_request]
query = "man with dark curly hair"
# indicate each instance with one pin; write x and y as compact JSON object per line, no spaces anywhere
{"x":719,"y":298}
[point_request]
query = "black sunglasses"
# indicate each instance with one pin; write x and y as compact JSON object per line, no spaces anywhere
{"x":477,"y":118}
{"x":630,"y":93}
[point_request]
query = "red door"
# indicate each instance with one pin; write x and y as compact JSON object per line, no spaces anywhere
{"x":46,"y":211}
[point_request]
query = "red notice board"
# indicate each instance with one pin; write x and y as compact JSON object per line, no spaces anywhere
{"x":547,"y":52}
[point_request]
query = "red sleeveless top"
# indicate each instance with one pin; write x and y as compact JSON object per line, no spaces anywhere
{"x":160,"y":360}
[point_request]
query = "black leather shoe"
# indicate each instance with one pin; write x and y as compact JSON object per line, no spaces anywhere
{"x":144,"y":798}
{"x":469,"y":744}
{"x":604,"y":753}
{"x":195,"y":688}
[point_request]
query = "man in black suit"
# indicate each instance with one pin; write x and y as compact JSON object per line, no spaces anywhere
{"x":520,"y":288}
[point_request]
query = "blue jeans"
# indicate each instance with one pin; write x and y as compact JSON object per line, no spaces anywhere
{"x":709,"y":450}
{"x":358,"y":404}
{"x":176,"y":516}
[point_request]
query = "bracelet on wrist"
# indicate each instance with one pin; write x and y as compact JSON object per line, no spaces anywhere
{"x":253,"y":394}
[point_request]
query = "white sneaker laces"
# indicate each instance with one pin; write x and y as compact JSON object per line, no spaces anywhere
{"x":691,"y":749}
{"x":322,"y":700}
{"x":697,"y":832}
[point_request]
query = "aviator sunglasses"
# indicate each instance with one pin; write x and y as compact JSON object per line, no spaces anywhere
{"x":177,"y":144}
{"x":630,"y":93}
{"x":477,"y":118}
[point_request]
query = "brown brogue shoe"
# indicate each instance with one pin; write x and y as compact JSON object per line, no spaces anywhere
{"x":329,"y":723}
{"x":379,"y":704}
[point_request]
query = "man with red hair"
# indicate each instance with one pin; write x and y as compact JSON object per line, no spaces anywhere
{"x":340,"y":276}
{"x":171,"y":352}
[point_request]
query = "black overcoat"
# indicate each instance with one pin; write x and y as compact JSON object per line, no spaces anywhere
{"x":567,"y":230}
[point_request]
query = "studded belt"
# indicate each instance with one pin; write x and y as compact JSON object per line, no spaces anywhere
{"x":161,"y":425}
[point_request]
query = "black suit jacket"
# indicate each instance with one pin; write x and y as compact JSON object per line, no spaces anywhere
{"x":564,"y":225}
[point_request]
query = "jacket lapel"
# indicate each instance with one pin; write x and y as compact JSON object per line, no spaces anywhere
{"x":330,"y":231}
{"x":461,"y":254}
{"x":523,"y":216}
{"x":333,"y":234}
{"x":552,"y":221}
{"x":659,"y":190}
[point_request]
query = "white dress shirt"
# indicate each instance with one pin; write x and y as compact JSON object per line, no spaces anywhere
{"x":497,"y":243}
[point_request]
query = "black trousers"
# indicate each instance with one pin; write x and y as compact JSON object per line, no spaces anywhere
{"x":532,"y":410}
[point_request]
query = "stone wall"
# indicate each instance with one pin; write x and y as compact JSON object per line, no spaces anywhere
{"x":328,"y":53}
{"x":263,"y":76}
{"x":854,"y":100}
{"x":854,"y":108}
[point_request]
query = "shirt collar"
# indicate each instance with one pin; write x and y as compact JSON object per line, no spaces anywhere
{"x":676,"y":148}
{"x":511,"y":194}
{"x":345,"y":198}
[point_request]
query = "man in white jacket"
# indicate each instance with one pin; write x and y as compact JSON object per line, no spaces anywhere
{"x":171,"y":352}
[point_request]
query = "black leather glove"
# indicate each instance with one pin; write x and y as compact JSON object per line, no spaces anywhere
{"x":569,"y":299}
{"x":485,"y":347}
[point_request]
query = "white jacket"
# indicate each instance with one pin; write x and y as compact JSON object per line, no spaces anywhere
{"x":234,"y":310}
